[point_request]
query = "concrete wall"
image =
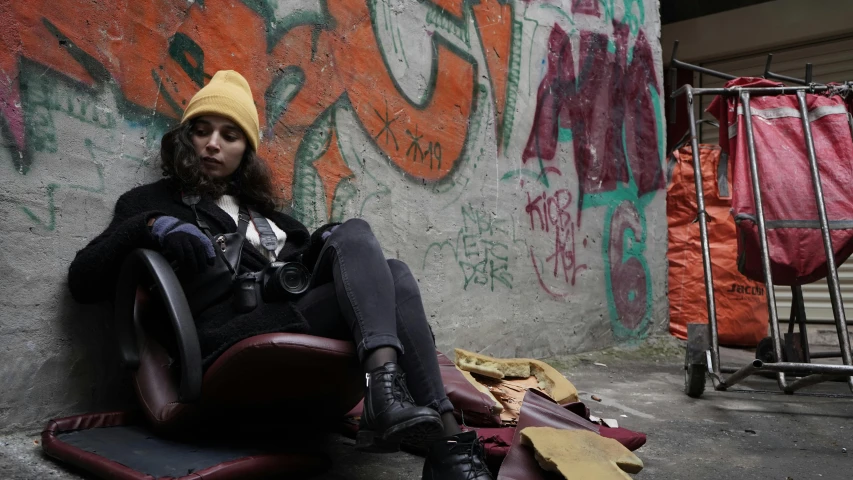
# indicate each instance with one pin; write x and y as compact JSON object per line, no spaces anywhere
{"x":509,"y":151}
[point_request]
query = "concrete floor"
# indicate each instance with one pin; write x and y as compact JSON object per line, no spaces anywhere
{"x":753,"y":433}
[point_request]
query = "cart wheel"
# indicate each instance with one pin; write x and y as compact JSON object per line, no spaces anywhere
{"x":764,"y":351}
{"x":694,"y":378}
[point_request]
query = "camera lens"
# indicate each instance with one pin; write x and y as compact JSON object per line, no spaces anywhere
{"x":294,"y":278}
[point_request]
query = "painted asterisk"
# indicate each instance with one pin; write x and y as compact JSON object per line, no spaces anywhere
{"x":386,"y":129}
{"x":416,"y":144}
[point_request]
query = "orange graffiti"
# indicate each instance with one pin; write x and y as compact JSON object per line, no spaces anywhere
{"x":10,"y":95}
{"x":349,"y":60}
{"x":158,"y":54}
{"x":494,"y":22}
{"x":130,"y":43}
{"x":453,"y":7}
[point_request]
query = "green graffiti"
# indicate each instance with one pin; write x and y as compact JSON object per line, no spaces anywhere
{"x":50,"y":224}
{"x":49,"y":98}
{"x":41,"y":98}
{"x":99,"y":188}
{"x":635,"y":251}
{"x":504,"y":129}
{"x":633,"y":18}
{"x":559,"y":11}
{"x":393,"y":29}
{"x":512,"y":82}
{"x":277,"y":28}
{"x":99,"y":169}
{"x":656,"y":101}
{"x":481,"y":249}
{"x":541,"y":176}
{"x":609,"y":9}
{"x":482,"y":110}
{"x":439,"y":18}
{"x":613,"y":200}
{"x":523,"y":172}
{"x":308,"y":195}
{"x":462,"y":189}
{"x":281,"y":91}
{"x":189,"y":56}
{"x":40,"y":130}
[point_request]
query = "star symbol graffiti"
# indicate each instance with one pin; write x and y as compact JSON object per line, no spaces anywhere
{"x":416,"y":144}
{"x":386,"y":129}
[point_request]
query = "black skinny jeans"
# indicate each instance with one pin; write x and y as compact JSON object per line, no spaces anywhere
{"x":356,"y":294}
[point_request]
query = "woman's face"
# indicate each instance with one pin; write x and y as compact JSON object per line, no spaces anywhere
{"x":220,"y":144}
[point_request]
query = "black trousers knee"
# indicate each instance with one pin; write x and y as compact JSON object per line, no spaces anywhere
{"x":357,"y":294}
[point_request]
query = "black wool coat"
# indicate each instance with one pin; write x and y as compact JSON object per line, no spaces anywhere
{"x":93,"y":274}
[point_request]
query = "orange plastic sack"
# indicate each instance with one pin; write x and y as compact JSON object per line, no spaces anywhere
{"x":741,"y":302}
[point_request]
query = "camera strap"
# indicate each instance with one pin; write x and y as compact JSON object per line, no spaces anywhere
{"x":243,"y":220}
{"x":236,"y":241}
{"x":243,"y":216}
{"x":268,"y":239}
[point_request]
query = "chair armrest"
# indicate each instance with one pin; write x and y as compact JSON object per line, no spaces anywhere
{"x":133,"y":270}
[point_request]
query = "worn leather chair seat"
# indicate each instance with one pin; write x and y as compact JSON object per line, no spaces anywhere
{"x":261,"y":383}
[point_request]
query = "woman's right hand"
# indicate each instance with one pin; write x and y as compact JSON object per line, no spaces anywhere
{"x":184,"y":243}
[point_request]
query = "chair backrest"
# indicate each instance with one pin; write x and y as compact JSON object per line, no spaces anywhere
{"x":157,"y":378}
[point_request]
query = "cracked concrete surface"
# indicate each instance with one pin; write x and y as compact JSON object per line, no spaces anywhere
{"x":752,"y":433}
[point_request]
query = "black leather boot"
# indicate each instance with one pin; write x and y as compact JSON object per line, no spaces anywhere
{"x":459,"y":457}
{"x":390,"y":415}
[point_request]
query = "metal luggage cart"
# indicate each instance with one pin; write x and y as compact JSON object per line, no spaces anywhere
{"x":776,"y":356}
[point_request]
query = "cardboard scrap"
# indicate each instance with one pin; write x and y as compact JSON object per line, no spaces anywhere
{"x":509,"y":393}
{"x":547,"y":378}
{"x":580,"y":454}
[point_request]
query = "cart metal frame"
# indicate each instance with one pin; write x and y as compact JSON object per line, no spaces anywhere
{"x":703,"y":349}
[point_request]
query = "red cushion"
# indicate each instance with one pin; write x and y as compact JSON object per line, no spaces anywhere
{"x":300,"y":375}
{"x":470,"y":404}
{"x":630,"y":439}
{"x":260,"y":382}
{"x":537,"y":410}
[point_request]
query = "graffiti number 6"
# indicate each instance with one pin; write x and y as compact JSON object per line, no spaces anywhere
{"x":627,"y":273}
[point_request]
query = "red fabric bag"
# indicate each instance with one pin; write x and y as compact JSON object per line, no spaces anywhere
{"x":741,"y":302}
{"x":793,"y":230}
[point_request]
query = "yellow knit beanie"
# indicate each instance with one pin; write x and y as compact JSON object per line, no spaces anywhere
{"x":228,"y":95}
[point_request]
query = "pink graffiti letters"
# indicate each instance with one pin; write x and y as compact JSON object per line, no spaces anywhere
{"x":553,"y":213}
{"x":607,"y":106}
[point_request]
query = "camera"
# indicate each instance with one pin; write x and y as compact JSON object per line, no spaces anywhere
{"x":278,"y":281}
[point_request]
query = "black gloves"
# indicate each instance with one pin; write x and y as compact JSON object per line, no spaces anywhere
{"x":184,"y":244}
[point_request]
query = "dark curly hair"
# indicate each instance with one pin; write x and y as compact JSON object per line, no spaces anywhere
{"x":251,"y":182}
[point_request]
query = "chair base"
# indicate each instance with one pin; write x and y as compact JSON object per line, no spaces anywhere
{"x":120,"y":445}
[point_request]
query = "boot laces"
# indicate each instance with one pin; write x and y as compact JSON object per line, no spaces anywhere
{"x":399,"y":389}
{"x":475,"y":452}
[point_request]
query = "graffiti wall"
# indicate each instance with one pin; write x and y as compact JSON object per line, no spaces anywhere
{"x":510,"y":151}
